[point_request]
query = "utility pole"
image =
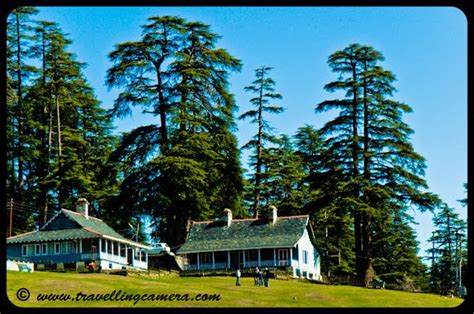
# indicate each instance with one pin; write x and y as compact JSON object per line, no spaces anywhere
{"x":11,"y":218}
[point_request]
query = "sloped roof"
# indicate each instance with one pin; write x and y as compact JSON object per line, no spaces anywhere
{"x":53,"y":235}
{"x":94,"y":224}
{"x":244,"y":234}
{"x":90,"y":227}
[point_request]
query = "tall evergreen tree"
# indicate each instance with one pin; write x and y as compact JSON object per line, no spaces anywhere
{"x":373,"y":147}
{"x":282,"y":178}
{"x":66,"y":135}
{"x":448,"y":248}
{"x":326,"y":193}
{"x":264,"y":89}
{"x":187,"y":166}
{"x":19,"y":40}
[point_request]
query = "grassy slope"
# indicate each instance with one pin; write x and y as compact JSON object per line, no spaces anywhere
{"x":279,"y":294}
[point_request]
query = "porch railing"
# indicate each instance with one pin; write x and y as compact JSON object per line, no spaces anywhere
{"x":247,"y":264}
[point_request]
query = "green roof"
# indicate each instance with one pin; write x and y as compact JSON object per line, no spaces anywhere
{"x":52,"y":235}
{"x":84,"y":228}
{"x":94,"y":224}
{"x":244,"y":234}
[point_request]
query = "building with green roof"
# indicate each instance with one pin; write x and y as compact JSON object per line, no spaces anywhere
{"x":75,"y":236}
{"x":270,"y":241}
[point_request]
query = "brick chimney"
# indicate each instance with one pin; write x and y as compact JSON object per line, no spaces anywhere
{"x":228,"y":216}
{"x":272,"y":214}
{"x":82,"y":207}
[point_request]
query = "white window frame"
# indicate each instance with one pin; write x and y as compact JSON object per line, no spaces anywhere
{"x":24,"y":250}
{"x":305,"y":257}
{"x":44,"y":249}
{"x":37,"y":249}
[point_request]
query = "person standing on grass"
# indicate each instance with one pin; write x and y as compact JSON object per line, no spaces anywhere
{"x":266,"y":275}
{"x":260,"y":278}
{"x":256,"y":276}
{"x":237,"y":274}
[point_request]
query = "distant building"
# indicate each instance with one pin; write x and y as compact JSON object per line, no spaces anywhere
{"x":71,"y":237}
{"x":284,"y":242}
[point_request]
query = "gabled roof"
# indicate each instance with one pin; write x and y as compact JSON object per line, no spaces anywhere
{"x":93,"y":224}
{"x":53,"y":235}
{"x":245,"y":234}
{"x":90,"y":227}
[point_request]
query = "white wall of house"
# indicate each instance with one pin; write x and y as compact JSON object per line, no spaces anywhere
{"x":308,"y":262}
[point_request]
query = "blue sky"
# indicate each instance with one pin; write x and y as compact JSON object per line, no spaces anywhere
{"x":425,"y":47}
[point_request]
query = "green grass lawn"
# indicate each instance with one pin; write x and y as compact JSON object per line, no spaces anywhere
{"x":280,"y":293}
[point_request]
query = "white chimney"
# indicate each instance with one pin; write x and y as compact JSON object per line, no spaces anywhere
{"x":82,"y":207}
{"x":273,"y":215}
{"x":228,"y":216}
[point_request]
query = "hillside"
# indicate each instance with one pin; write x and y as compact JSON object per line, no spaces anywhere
{"x":279,"y":294}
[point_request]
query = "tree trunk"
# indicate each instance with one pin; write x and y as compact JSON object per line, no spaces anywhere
{"x":258,"y":169}
{"x":58,"y":117}
{"x":19,"y":111}
{"x":355,"y":165}
{"x":368,"y":271}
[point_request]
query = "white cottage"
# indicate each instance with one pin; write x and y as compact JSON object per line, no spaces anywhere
{"x":76,"y":236}
{"x":272,"y":241}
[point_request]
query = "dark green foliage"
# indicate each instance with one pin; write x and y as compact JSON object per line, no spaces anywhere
{"x":19,"y":41}
{"x":65,"y":137}
{"x":371,"y":151}
{"x":325,"y":196}
{"x":448,"y":250}
{"x":282,"y":178}
{"x":187,"y":166}
{"x":264,"y":89}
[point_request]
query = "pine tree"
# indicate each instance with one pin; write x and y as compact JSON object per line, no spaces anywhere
{"x":19,"y":38}
{"x":326,"y":194}
{"x":66,"y":135}
{"x":282,"y":178}
{"x":372,"y":146}
{"x":186,"y":167}
{"x":264,"y":88}
{"x":448,"y":248}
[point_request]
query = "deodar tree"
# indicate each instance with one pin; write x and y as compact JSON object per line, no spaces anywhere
{"x":186,"y":166}
{"x":372,"y":144}
{"x":263,"y":87}
{"x":58,"y":135}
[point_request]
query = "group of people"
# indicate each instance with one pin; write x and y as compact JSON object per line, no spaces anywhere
{"x":260,"y":277}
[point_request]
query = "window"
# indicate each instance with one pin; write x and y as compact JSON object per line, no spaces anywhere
{"x":57,"y":248}
{"x":115,"y":247}
{"x":24,"y":250}
{"x":67,"y":247}
{"x":30,"y":250}
{"x":51,"y":248}
{"x":37,"y":249}
{"x":305,"y":257}
{"x":44,"y":249}
{"x":109,"y":246}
